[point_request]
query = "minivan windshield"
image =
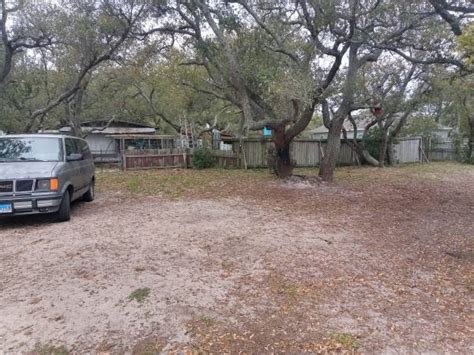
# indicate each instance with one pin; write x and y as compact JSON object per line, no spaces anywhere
{"x":30,"y":149}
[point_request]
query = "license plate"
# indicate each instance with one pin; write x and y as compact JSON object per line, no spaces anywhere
{"x":6,"y":208}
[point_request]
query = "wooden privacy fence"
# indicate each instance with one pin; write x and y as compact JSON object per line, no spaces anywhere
{"x":443,"y":150}
{"x":305,"y":152}
{"x":254,"y":154}
{"x":172,"y":158}
{"x":225,"y":159}
{"x":155,"y":159}
{"x":409,"y":150}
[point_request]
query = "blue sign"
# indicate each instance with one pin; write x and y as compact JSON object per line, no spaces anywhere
{"x":267,"y":132}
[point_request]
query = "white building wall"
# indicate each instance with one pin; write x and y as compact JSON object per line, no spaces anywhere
{"x":99,"y":143}
{"x":324,"y":135}
{"x":441,"y":134}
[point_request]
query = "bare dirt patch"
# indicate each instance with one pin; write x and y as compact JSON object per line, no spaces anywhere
{"x":379,"y":262}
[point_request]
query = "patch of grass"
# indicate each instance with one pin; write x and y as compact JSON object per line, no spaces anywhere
{"x":288,"y":293}
{"x":47,"y":349}
{"x":283,"y":287}
{"x":346,"y":340}
{"x":149,"y":346}
{"x":227,"y":265}
{"x":207,"y":321}
{"x":134,"y":184}
{"x":139,"y":295}
{"x":400,"y":173}
{"x":177,"y":183}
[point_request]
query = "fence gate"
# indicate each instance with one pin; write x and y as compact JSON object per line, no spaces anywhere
{"x":409,"y":150}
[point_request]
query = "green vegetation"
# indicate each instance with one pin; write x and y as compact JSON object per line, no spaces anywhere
{"x":215,"y":183}
{"x":203,"y":158}
{"x":50,"y":350}
{"x":133,"y":184}
{"x":373,"y":140}
{"x":179,"y":182}
{"x":139,"y":295}
{"x":348,"y":341}
{"x":151,"y":347}
{"x":284,"y":288}
{"x":207,"y":321}
{"x":227,"y":265}
{"x":256,"y":67}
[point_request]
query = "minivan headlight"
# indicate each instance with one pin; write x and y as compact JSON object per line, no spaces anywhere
{"x":47,"y":184}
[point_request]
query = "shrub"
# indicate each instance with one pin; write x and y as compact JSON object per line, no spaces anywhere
{"x":372,"y":141}
{"x":462,"y":149}
{"x":203,"y":158}
{"x":139,"y":295}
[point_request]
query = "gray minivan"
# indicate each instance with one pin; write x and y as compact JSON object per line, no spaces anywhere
{"x":44,"y":174}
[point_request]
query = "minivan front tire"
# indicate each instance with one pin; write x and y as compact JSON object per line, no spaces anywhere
{"x":64,"y":213}
{"x":90,"y":194}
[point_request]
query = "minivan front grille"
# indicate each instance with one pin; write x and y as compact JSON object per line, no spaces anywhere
{"x":6,"y":186}
{"x":24,"y":186}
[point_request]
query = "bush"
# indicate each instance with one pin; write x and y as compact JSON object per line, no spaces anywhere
{"x":203,"y":158}
{"x":462,"y":149}
{"x":372,"y":141}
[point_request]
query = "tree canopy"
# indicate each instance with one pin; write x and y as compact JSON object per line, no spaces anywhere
{"x":236,"y":65}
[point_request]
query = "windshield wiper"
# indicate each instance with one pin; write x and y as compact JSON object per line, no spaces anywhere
{"x":5,"y":160}
{"x":30,"y":159}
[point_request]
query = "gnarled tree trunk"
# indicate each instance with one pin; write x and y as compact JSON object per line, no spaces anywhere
{"x":328,"y":161}
{"x":282,"y":163}
{"x":390,"y":152}
{"x":369,"y":159}
{"x":470,"y":142}
{"x":383,"y":148}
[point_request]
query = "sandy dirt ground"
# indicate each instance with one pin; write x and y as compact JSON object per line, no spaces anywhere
{"x":381,"y":266}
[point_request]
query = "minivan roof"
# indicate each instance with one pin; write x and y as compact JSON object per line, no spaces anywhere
{"x":38,"y":135}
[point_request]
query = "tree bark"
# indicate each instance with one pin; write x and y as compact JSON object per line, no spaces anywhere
{"x":383,"y":148}
{"x":359,"y":148}
{"x":328,"y":163}
{"x":470,"y":142}
{"x":369,"y":159}
{"x":362,"y":152}
{"x":390,"y":152}
{"x":8,"y":50}
{"x":283,"y":164}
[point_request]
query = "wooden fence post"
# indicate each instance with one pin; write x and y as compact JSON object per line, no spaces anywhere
{"x":185,"y":157}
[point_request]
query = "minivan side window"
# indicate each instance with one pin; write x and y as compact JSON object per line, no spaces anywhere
{"x":71,"y":147}
{"x":84,"y":149}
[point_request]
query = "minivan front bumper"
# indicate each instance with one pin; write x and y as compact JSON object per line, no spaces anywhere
{"x":31,"y":204}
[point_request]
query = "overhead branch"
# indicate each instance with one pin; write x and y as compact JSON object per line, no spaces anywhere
{"x":427,"y":61}
{"x":445,"y":11}
{"x":280,"y":48}
{"x":149,"y":100}
{"x":93,"y":63}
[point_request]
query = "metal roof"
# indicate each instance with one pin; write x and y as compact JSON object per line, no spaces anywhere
{"x":37,"y":135}
{"x":119,"y":130}
{"x":142,"y":136}
{"x":115,"y":123}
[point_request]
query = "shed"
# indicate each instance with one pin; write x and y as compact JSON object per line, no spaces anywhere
{"x":441,"y":132}
{"x":108,"y":140}
{"x":103,"y":136}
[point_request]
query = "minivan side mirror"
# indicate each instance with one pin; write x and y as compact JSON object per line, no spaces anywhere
{"x":74,"y":157}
